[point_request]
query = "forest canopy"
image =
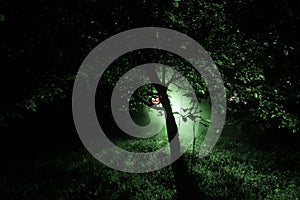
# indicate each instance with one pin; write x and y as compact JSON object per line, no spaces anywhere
{"x":254,"y":44}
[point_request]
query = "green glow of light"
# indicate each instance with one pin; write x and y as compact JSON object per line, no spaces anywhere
{"x":187,"y":127}
{"x":187,"y":119}
{"x":180,"y":105}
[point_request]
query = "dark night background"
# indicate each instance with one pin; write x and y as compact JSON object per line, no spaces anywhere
{"x":43,"y":44}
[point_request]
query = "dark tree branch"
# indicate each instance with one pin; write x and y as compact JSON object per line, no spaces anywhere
{"x":141,"y":99}
{"x":164,"y":75}
{"x":174,"y":77}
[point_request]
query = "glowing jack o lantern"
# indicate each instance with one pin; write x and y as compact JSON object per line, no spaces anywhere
{"x":155,"y":100}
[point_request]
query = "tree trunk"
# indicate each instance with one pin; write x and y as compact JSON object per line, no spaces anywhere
{"x":180,"y":169}
{"x":183,"y":181}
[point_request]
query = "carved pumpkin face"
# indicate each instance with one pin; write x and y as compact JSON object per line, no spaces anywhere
{"x":155,"y":100}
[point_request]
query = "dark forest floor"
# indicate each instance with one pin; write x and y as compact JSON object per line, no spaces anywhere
{"x":237,"y":168}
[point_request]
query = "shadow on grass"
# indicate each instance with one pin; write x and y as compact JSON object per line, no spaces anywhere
{"x":236,"y":169}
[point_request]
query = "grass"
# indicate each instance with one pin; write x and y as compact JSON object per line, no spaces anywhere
{"x":235,"y":169}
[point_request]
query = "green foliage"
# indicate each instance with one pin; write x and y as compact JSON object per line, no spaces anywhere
{"x":2,"y":18}
{"x":256,"y":55}
{"x":246,"y":61}
{"x":255,"y":61}
{"x":52,"y":89}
